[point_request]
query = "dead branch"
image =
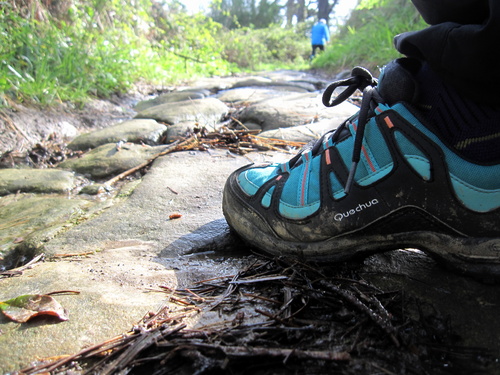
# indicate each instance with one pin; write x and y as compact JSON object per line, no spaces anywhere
{"x":356,"y":302}
{"x":19,"y":270}
{"x":243,"y":351}
{"x":188,"y":144}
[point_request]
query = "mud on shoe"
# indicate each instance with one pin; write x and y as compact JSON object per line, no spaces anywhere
{"x":379,"y":182}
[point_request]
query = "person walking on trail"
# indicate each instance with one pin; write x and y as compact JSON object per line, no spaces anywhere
{"x":417,"y":167}
{"x":320,"y":35}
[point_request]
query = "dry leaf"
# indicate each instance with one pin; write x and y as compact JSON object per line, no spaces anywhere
{"x":23,"y":308}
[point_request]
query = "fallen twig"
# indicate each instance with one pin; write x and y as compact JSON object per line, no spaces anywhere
{"x":87,"y":352}
{"x":243,"y":351}
{"x":230,"y":289}
{"x":351,"y":298}
{"x":19,"y":270}
{"x":259,"y":280}
{"x":189,"y":143}
{"x":69,"y":255}
{"x":13,"y":125}
{"x":144,"y":341}
{"x":59,"y":292}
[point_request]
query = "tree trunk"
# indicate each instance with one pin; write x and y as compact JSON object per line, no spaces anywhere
{"x":301,"y":11}
{"x":325,"y":8}
{"x":290,"y":12}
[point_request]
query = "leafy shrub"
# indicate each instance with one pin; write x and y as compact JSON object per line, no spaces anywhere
{"x":102,"y":49}
{"x":367,"y":38}
{"x":276,"y":46}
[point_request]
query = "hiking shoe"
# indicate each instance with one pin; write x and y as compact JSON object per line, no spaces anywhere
{"x":379,"y":182}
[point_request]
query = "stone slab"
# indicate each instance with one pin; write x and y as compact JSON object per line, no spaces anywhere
{"x":137,"y":130}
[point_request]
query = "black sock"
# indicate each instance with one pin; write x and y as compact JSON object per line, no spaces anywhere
{"x":472,"y":129}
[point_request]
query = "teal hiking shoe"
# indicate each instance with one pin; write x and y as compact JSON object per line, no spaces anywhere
{"x":381,"y":181}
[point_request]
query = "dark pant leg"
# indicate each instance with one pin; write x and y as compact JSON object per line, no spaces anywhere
{"x":459,"y":11}
{"x":321,"y":47}
{"x":460,"y":45}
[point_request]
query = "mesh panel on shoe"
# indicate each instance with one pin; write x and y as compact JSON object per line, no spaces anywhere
{"x":481,"y":176}
{"x":252,"y":179}
{"x":266,"y":199}
{"x":301,"y":193}
{"x":477,"y":186}
{"x":415,"y":157}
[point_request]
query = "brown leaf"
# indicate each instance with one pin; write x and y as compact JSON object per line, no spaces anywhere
{"x":23,"y":308}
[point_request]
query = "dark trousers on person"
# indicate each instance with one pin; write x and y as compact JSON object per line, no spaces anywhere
{"x":321,"y":47}
{"x":459,"y":45}
{"x":458,"y":80}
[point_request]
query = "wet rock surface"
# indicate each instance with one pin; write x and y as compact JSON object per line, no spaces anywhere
{"x":162,"y":226}
{"x":36,"y":181}
{"x":111,"y":159}
{"x":207,"y":111}
{"x":136,"y":131}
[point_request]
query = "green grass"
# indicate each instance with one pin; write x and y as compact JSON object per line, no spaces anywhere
{"x":267,"y":49}
{"x":50,"y":61}
{"x":367,"y":39}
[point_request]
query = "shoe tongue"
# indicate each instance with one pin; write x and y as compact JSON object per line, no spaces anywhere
{"x":397,"y":81}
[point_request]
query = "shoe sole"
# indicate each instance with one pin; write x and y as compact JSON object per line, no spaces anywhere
{"x":476,"y":257}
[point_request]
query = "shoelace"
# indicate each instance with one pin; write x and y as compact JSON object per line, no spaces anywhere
{"x":360,"y":79}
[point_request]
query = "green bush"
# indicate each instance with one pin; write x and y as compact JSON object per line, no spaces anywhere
{"x":267,"y":48}
{"x":98,"y":51}
{"x":367,"y":38}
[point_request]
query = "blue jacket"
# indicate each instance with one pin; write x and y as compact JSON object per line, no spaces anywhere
{"x":320,"y":34}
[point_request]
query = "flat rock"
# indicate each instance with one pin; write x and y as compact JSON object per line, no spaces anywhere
{"x":290,"y":86}
{"x":296,"y":76}
{"x":293,"y":110}
{"x":112,"y":286}
{"x":181,"y":130}
{"x":136,"y":247}
{"x":253,"y":81}
{"x":445,"y":294}
{"x":249,"y":95}
{"x":108,"y":159}
{"x":213,"y":84}
{"x":208,"y":112}
{"x":35,"y":181}
{"x":171,"y":97}
{"x":137,"y":131}
{"x":28,"y":221}
{"x":300,"y":133}
{"x":189,"y":183}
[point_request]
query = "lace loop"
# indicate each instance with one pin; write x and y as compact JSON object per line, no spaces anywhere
{"x":360,"y":132}
{"x":360,"y":79}
{"x":363,"y":80}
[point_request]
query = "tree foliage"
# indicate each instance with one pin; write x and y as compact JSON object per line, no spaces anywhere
{"x":367,"y":38}
{"x":261,"y":48}
{"x":259,"y":14}
{"x":234,"y":14}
